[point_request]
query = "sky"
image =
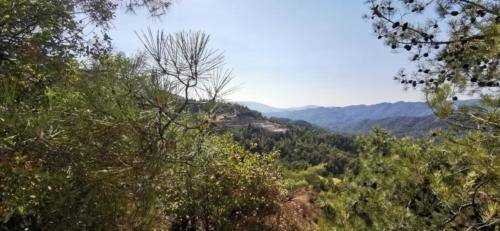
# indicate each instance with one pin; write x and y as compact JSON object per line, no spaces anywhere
{"x":286,"y":53}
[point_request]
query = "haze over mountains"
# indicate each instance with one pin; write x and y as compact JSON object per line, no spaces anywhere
{"x":401,"y":118}
{"x":263,"y":108}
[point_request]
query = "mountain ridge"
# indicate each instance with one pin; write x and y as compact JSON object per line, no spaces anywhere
{"x":402,"y":118}
{"x":264,"y":108}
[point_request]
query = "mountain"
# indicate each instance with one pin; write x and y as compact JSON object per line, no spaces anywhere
{"x":332,"y":117}
{"x":260,"y":107}
{"x":402,"y":118}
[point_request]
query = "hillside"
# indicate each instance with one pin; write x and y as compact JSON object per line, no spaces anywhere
{"x":234,"y":116}
{"x":399,"y":125}
{"x":299,"y":143}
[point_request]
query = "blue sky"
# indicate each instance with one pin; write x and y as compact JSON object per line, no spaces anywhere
{"x":286,"y":52}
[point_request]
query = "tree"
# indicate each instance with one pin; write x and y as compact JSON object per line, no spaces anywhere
{"x":227,"y":188}
{"x":185,"y":67}
{"x":438,"y":184}
{"x":95,"y":140}
{"x":455,"y":45}
{"x":41,"y":89}
{"x":40,"y":40}
{"x":447,"y":180}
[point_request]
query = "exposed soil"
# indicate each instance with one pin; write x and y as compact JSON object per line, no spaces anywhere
{"x":298,"y":211}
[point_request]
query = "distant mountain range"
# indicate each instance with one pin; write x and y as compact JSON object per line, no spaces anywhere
{"x":401,"y":118}
{"x":262,"y":108}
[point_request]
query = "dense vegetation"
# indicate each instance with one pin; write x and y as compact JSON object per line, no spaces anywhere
{"x":93,"y":140}
{"x":443,"y":183}
{"x":302,"y":146}
{"x":449,"y":180}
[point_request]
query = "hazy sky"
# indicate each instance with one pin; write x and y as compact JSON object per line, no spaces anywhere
{"x":287,"y":52}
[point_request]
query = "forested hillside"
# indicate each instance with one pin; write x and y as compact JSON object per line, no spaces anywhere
{"x":398,"y":125}
{"x":300,"y":144}
{"x":95,"y":139}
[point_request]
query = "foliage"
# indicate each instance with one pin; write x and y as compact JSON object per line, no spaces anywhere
{"x":444,"y":183}
{"x":449,"y":181}
{"x":93,"y":140}
{"x":105,"y":142}
{"x":301,"y":146}
{"x":95,"y":158}
{"x":316,"y":176}
{"x":456,"y":47}
{"x":230,"y":188}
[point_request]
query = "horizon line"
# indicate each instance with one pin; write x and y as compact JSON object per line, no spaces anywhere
{"x":331,"y":106}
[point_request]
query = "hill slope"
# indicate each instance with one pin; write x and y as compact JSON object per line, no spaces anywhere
{"x":399,"y":126}
{"x":299,"y":143}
